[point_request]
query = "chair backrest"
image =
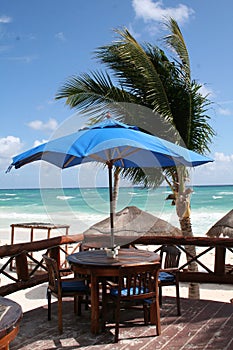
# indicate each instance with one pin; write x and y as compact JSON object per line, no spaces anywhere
{"x":169,"y":256}
{"x":53,"y":274}
{"x":138,"y":282}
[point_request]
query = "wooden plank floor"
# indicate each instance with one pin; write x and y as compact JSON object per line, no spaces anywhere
{"x":203,"y":325}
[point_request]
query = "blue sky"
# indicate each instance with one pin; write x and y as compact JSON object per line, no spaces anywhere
{"x":42,"y":43}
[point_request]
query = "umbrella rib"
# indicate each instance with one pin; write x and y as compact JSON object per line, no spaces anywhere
{"x":124,"y":154}
{"x":97,"y":158}
{"x":114,"y":159}
{"x":69,"y":161}
{"x":107,"y":155}
{"x":120,"y":155}
{"x":134,"y":150}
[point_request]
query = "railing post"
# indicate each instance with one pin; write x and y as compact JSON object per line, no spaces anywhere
{"x":219,"y":263}
{"x":22,"y":266}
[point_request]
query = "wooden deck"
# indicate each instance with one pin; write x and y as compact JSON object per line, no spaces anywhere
{"x":203,"y":325}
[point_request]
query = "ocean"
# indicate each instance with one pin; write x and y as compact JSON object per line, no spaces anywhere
{"x":82,"y":207}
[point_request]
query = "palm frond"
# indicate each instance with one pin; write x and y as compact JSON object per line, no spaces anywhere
{"x":176,"y":42}
{"x":201,"y":131}
{"x":150,"y":177}
{"x":95,"y":92}
{"x":135,"y":72}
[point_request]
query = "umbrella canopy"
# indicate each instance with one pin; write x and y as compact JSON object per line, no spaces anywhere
{"x":134,"y":222}
{"x":224,"y":226}
{"x":112,"y":143}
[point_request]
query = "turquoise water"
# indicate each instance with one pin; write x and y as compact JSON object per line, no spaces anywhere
{"x":83,"y":207}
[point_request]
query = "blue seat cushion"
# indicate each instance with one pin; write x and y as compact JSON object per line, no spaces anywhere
{"x":114,"y":291}
{"x":74,"y":286}
{"x":166,"y":277}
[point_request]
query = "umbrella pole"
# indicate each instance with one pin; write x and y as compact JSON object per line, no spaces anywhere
{"x":111,"y":203}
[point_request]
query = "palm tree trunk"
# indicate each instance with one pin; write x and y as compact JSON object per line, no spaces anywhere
{"x":183,"y":212}
{"x":115,"y":188}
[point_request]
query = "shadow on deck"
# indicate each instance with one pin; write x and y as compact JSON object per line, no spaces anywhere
{"x":203,"y":325}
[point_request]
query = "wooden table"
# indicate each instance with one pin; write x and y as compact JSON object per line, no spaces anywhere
{"x":37,"y":226}
{"x":10,"y":316}
{"x":97,"y":264}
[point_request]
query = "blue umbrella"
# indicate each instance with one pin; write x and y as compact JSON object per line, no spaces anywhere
{"x":112,"y":143}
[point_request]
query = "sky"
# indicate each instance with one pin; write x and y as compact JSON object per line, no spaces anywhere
{"x":43,"y":43}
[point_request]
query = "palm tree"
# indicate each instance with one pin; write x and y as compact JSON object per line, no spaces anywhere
{"x":143,"y":75}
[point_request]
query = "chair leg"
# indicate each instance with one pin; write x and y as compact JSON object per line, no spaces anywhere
{"x":79,"y":305}
{"x":160,"y":296}
{"x":60,"y":326}
{"x":104,"y":306}
{"x":49,"y":304}
{"x":75,"y":304}
{"x":86,"y":302}
{"x":146,"y":314}
{"x":155,"y":315}
{"x":178,"y":299}
{"x":117,"y":320}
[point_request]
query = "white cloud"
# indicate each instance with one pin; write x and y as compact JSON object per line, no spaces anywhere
{"x":38,"y":142}
{"x":42,"y":106}
{"x":218,"y":172}
{"x":60,"y":36}
{"x":5,"y":19}
{"x":25,"y":59}
{"x":206,"y":91}
{"x":9,"y":147}
{"x":133,"y":33}
{"x":149,"y":10}
{"x":51,"y":125}
{"x":224,"y":111}
{"x":225,"y":102}
{"x":4,"y":48}
{"x":221,"y":157}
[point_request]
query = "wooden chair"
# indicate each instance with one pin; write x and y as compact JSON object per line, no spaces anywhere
{"x":5,"y":341}
{"x":169,"y":272}
{"x":64,"y":287}
{"x":136,"y":285}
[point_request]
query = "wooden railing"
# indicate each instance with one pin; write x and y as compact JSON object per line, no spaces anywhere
{"x":29,"y":268}
{"x":221,"y":271}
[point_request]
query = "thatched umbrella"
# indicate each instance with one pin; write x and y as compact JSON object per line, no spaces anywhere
{"x":224,"y":226}
{"x":132,"y":221}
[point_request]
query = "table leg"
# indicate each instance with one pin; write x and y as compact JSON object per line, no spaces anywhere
{"x":94,"y":304}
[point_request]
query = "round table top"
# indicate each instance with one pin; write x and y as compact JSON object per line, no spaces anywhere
{"x":99,"y":258}
{"x":10,"y":314}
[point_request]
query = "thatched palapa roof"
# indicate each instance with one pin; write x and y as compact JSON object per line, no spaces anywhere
{"x":224,"y":226}
{"x":132,"y":221}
